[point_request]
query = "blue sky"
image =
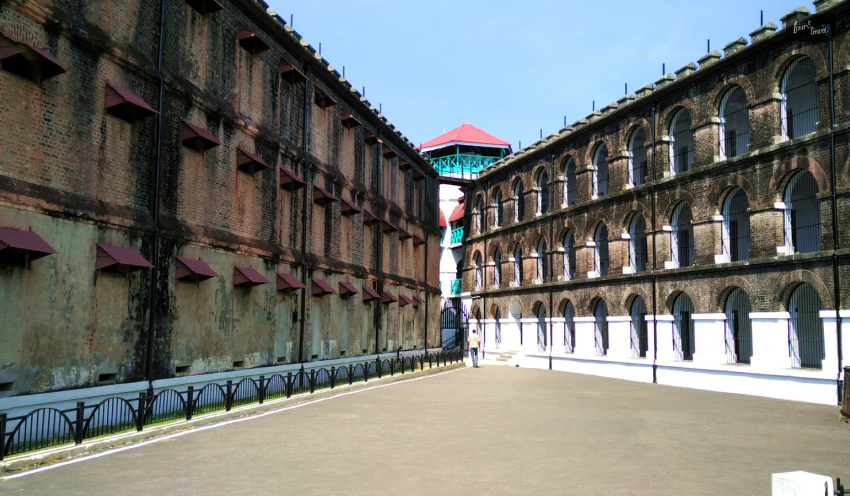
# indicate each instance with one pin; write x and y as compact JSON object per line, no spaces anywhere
{"x":512,"y":67}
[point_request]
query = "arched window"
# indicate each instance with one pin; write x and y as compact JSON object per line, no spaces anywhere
{"x":600,"y":250}
{"x":541,"y":328}
{"x":497,"y":208}
{"x":541,"y":260}
{"x":459,"y":270}
{"x":736,"y":226}
{"x":639,"y":337}
{"x":600,"y":315}
{"x":479,"y":215}
{"x":681,"y":143}
{"x":497,"y":269}
{"x":637,"y":157}
{"x":682,"y":236}
{"x":569,"y":194}
{"x":683,"y":328}
{"x":569,"y":257}
{"x":805,"y":330}
{"x":498,"y":336}
{"x":802,"y":214}
{"x":518,"y":206}
{"x":637,"y":243}
{"x":542,"y":192}
{"x":800,"y":112}
{"x":600,"y":172}
{"x":479,"y":272}
{"x":739,"y":335}
{"x":569,"y":328}
{"x":518,"y":265}
{"x":734,"y":123}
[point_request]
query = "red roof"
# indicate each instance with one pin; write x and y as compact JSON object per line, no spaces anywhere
{"x":465,"y":133}
{"x":369,"y":293}
{"x":246,"y":276}
{"x":457,"y":213}
{"x":185,"y":268}
{"x":287,"y":282}
{"x":25,"y":240}
{"x":443,"y":220}
{"x":108,"y":255}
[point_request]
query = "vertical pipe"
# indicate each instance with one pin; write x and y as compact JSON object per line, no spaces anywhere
{"x":654,"y":257}
{"x":834,"y":187}
{"x":156,"y":240}
{"x":425,"y":266}
{"x":305,"y":149}
{"x":379,"y":266}
{"x":551,"y":251}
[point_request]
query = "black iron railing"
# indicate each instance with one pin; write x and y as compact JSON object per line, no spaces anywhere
{"x":46,"y":428}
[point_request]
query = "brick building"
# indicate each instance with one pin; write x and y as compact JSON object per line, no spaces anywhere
{"x":685,"y":234}
{"x":187,"y":186}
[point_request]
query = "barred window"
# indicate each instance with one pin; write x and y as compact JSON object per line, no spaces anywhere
{"x":802,"y":214}
{"x":569,"y":193}
{"x":479,"y":272}
{"x":682,"y":236}
{"x":637,"y":243}
{"x":479,"y":216}
{"x":569,"y":256}
{"x":736,"y":226}
{"x":600,"y":172}
{"x":569,"y":328}
{"x":800,"y":111}
{"x":600,"y":315}
{"x":681,"y":143}
{"x":683,"y":328}
{"x":518,"y":264}
{"x":805,"y":330}
{"x":541,"y":260}
{"x":497,"y":209}
{"x":600,"y":250}
{"x":637,"y":157}
{"x":518,"y":207}
{"x":497,"y":268}
{"x":734,"y":123}
{"x":739,"y":336}
{"x":639,"y":341}
{"x":542,"y":340}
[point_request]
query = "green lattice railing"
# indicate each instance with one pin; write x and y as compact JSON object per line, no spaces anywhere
{"x":456,"y":236}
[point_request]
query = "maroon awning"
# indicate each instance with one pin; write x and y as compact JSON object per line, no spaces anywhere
{"x":196,"y":137}
{"x":387,"y":297}
{"x":417,"y":240}
{"x":403,"y":301}
{"x":348,"y":208}
{"x":387,"y":227}
{"x":20,"y":246}
{"x":417,"y":301}
{"x":204,"y":7}
{"x":191,"y":269}
{"x":125,"y":104}
{"x":369,"y":218}
{"x":389,"y":152}
{"x":248,"y":277}
{"x":322,"y":196}
{"x":114,"y":257}
{"x":404,"y":165}
{"x":249,"y":162}
{"x":290,"y":73}
{"x":250,"y":41}
{"x":321,"y":288}
{"x":322,"y":98}
{"x":369,"y":293}
{"x":18,"y":56}
{"x":402,"y":234}
{"x":288,"y":282}
{"x":418,"y":176}
{"x":346,"y":288}
{"x":369,"y":137}
{"x":289,"y":180}
{"x":348,"y":120}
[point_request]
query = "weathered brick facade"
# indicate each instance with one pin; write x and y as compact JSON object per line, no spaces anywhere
{"x":762,"y":171}
{"x":78,"y":176}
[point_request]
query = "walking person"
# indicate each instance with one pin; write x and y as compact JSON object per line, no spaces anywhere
{"x":474,"y":342}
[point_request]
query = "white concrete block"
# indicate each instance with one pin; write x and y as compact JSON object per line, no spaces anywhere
{"x":801,"y":483}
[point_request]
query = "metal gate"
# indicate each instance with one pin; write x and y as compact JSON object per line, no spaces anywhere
{"x":454,"y":326}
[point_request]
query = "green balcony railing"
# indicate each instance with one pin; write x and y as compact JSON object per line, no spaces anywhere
{"x":462,"y":166}
{"x":455,"y":287}
{"x":456,"y":236}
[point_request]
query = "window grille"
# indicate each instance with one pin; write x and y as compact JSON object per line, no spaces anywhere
{"x":683,"y":328}
{"x":739,"y":335}
{"x":601,"y":326}
{"x":639,"y":341}
{"x":498,"y":336}
{"x":681,"y":143}
{"x":805,"y":329}
{"x":541,"y":260}
{"x":479,"y":272}
{"x":497,"y":209}
{"x":541,"y":328}
{"x":736,"y":226}
{"x":600,"y":251}
{"x":570,"y":183}
{"x":479,"y":216}
{"x":542,"y":192}
{"x":734,"y":124}
{"x":497,"y":269}
{"x":600,"y":172}
{"x":637,"y":243}
{"x":682,"y":236}
{"x":800,"y":111}
{"x":802,"y":214}
{"x":518,"y":207}
{"x":569,"y":257}
{"x":517,"y":266}
{"x":637,"y":157}
{"x":569,"y":328}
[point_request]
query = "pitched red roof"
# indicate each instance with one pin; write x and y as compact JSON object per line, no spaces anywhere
{"x":457,"y":213}
{"x":465,"y":133}
{"x":443,"y":220}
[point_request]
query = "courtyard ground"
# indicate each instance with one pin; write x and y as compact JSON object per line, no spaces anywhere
{"x":491,"y":430}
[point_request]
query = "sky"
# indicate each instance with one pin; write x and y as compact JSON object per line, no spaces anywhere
{"x":513,"y":68}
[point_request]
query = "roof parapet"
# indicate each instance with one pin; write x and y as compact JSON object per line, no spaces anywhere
{"x":622,"y":102}
{"x":708,"y":59}
{"x":645,"y":91}
{"x":686,"y":70}
{"x":734,"y":46}
{"x":664,"y":81}
{"x":821,"y":5}
{"x":791,"y":18}
{"x":763,"y":32}
{"x":610,"y":108}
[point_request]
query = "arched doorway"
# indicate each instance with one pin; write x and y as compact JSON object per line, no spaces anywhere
{"x":454,"y":326}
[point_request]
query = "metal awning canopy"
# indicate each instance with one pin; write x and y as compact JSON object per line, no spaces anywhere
{"x":322,"y":98}
{"x":26,"y":60}
{"x":288,"y":282}
{"x":289,"y":180}
{"x":204,"y":7}
{"x":387,"y":298}
{"x":348,"y":208}
{"x":22,"y":246}
{"x":126,"y":105}
{"x":290,"y":73}
{"x":417,"y":240}
{"x":370,"y":294}
{"x":347,"y":289}
{"x":403,"y":234}
{"x":249,"y":162}
{"x":321,"y":288}
{"x":388,"y":152}
{"x":387,"y":227}
{"x":250,"y":41}
{"x":189,"y":269}
{"x":322,"y":196}
{"x":369,"y":137}
{"x":196,"y":137}
{"x":118,"y":257}
{"x":247,"y":277}
{"x":369,"y":218}
{"x":404,"y":165}
{"x":348,"y":120}
{"x":403,"y":301}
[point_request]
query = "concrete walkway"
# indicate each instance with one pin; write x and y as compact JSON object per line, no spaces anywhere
{"x":491,"y":430}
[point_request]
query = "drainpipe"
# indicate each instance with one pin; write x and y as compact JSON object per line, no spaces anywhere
{"x":156,"y":240}
{"x":654,"y":258}
{"x":484,"y":275}
{"x":425,"y":266}
{"x":551,"y":251}
{"x":835,"y":244}
{"x":305,"y":150}
{"x":380,"y":244}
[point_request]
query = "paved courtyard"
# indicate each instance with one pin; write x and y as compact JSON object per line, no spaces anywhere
{"x":492,"y":430}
